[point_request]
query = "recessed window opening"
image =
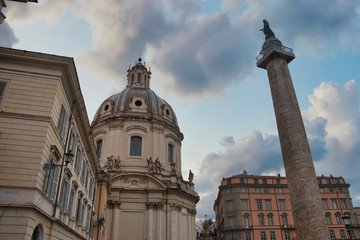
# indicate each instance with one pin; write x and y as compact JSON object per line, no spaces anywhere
{"x":138,"y":79}
{"x":170,"y":153}
{"x":138,"y":103}
{"x":135,"y":146}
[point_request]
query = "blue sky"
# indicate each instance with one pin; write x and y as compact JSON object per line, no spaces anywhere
{"x":202,"y":57}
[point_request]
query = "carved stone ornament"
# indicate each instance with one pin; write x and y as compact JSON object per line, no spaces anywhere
{"x":175,"y":207}
{"x":135,"y":182}
{"x":154,"y":166}
{"x":191,"y":211}
{"x":173,"y":167}
{"x":113,"y":204}
{"x":154,"y":205}
{"x":113,"y":163}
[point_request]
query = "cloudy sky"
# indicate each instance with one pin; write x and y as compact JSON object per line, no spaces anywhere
{"x":202,"y":56}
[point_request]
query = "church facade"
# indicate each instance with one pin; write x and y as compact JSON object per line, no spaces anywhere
{"x":62,"y":178}
{"x":139,"y":148}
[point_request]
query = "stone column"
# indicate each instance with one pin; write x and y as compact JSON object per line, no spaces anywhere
{"x":174,"y":208}
{"x":115,"y":223}
{"x":150,"y":229}
{"x":304,"y":191}
{"x":108,"y":220}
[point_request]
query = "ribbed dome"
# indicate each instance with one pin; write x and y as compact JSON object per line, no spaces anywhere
{"x":136,"y":101}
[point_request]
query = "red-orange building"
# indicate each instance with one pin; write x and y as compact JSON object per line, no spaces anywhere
{"x":258,"y":207}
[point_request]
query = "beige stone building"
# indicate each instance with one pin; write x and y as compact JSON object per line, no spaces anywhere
{"x":144,"y":195}
{"x":48,"y":158}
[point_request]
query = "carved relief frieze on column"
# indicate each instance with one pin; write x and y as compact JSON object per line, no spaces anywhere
{"x":113,"y":204}
{"x":113,"y":163}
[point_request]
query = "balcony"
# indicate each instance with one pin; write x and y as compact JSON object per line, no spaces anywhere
{"x":238,"y":228}
{"x":272,"y":46}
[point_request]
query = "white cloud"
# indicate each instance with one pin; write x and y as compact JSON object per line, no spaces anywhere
{"x":7,"y":36}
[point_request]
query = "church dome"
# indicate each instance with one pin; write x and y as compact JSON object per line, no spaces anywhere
{"x":137,"y":100}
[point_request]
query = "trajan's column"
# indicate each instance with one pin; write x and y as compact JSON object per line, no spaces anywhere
{"x":304,"y":191}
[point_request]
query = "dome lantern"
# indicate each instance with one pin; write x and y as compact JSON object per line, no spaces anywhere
{"x":138,"y":76}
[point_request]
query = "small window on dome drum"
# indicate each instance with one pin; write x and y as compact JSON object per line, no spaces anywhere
{"x":98,"y":148}
{"x":135,"y":146}
{"x":170,"y":153}
{"x":132,"y":78}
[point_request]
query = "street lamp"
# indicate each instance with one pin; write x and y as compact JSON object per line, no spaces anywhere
{"x":347,"y":222}
{"x":68,"y":159}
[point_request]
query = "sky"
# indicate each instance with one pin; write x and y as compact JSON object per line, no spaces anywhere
{"x":202,"y":58}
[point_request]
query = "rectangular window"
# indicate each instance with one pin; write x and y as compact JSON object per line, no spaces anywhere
{"x":99,"y":148}
{"x":230,"y":206}
{"x":86,"y":178}
{"x":264,"y":181}
{"x":231,"y":221}
{"x":242,"y":180}
{"x":272,"y":235}
{"x":287,"y":236}
{"x":2,"y":90}
{"x":263,"y":235}
{"x":257,"y":190}
{"x":72,"y":142}
{"x":62,"y":121}
{"x":52,"y":182}
{"x":248,"y":235}
{"x":319,"y":181}
{"x":328,"y":181}
{"x":88,"y":215}
{"x":268,"y":204}
{"x":71,"y":202}
{"x":83,"y":173}
{"x":78,"y":159}
{"x":335,"y":204}
{"x":232,"y":236}
{"x":266,"y":190}
{"x":325,"y":204}
{"x":338,"y":218}
{"x":259,"y":204}
{"x":280,"y":190}
{"x":170,"y":153}
{"x":322,"y":190}
{"x":337,"y":181}
{"x":82,"y":215}
{"x":342,"y":234}
{"x":78,"y":211}
{"x":135,"y":146}
{"x":91,"y":187}
{"x":332,"y":234}
{"x":344,"y":204}
{"x":282,"y":204}
{"x":243,"y":190}
{"x":64,"y":196}
{"x":244,"y":203}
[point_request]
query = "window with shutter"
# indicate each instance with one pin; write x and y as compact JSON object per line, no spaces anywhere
{"x":62,"y":123}
{"x":71,"y":202}
{"x":2,"y":90}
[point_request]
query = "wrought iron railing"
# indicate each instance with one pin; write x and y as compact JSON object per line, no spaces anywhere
{"x":274,"y":46}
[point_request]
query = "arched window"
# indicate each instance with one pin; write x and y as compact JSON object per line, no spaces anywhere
{"x":37,"y":233}
{"x":98,"y":148}
{"x":145,"y":80}
{"x":270,"y":219}
{"x":246,"y":221}
{"x":139,"y":79}
{"x":338,"y":217}
{"x":135,"y":146}
{"x":132,"y":78}
{"x":328,"y":218}
{"x":261,"y":219}
{"x":170,"y":153}
{"x":284,"y":219}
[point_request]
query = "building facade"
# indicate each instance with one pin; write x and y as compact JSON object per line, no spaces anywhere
{"x":258,"y":207}
{"x":3,"y":5}
{"x":143,"y":193}
{"x":48,"y":163}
